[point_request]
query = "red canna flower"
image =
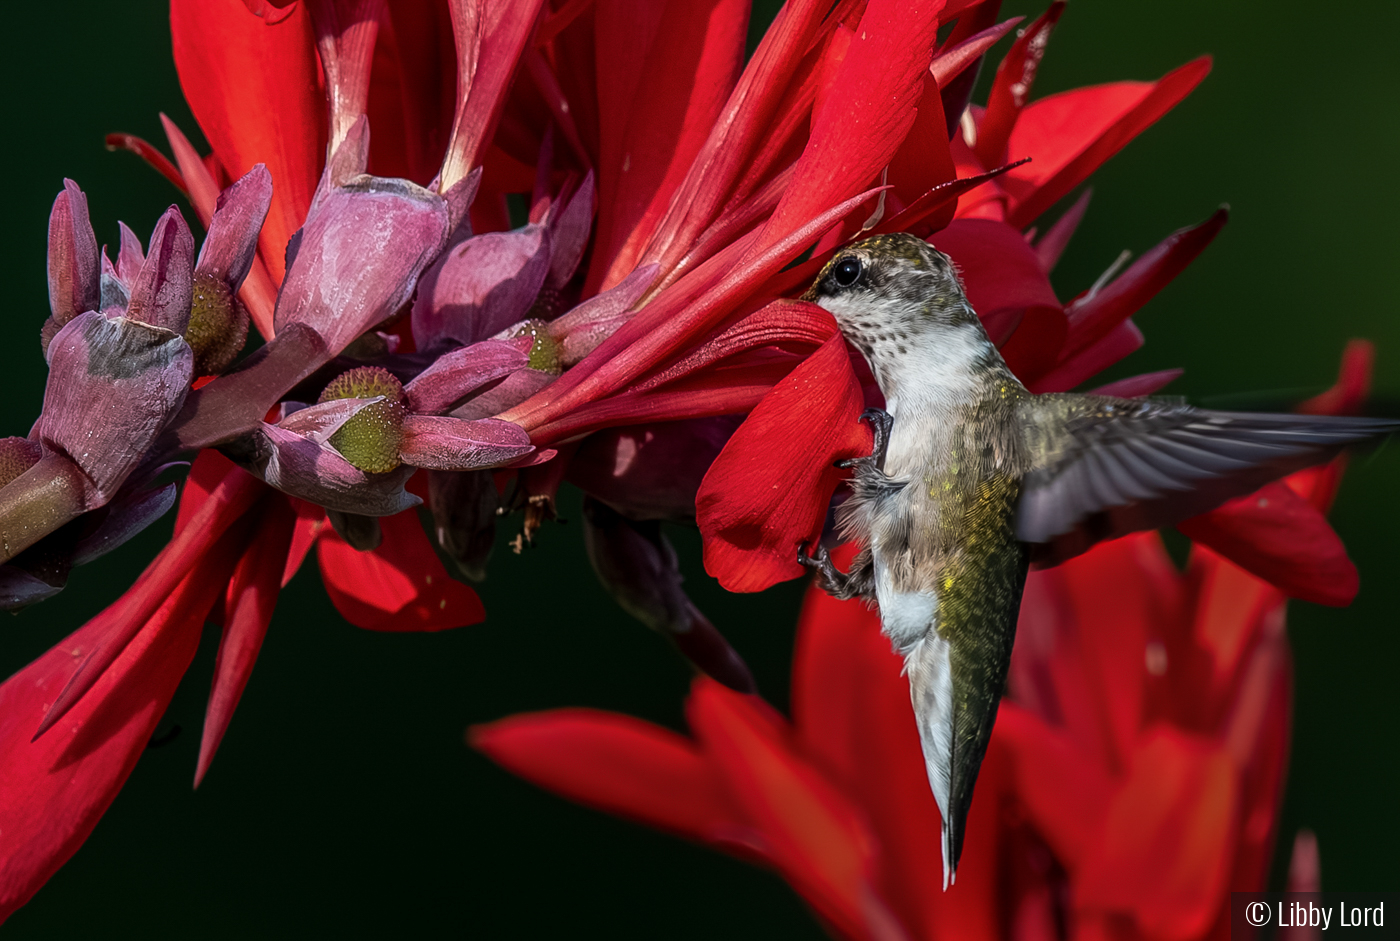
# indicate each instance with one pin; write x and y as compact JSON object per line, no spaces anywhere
{"x":1133,"y":781}
{"x":555,"y":349}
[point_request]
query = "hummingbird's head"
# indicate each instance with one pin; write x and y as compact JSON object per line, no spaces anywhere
{"x":896,"y":297}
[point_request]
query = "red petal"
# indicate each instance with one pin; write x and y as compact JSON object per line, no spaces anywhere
{"x":1283,"y":539}
{"x":1053,"y":243}
{"x":55,"y":789}
{"x":401,"y":586}
{"x":817,"y":838}
{"x":857,"y":132}
{"x":766,"y":494}
{"x":658,"y":99}
{"x":253,"y":89}
{"x":1093,"y":316}
{"x":311,"y":522}
{"x":1012,"y":85}
{"x":1166,"y":846}
{"x":1121,"y":340}
{"x":1136,"y":386}
{"x":1009,"y":290}
{"x":1071,"y":134}
{"x":158,"y":161}
{"x":1233,"y":608}
{"x":248,"y":602}
{"x":619,"y":765}
{"x":1353,"y":383}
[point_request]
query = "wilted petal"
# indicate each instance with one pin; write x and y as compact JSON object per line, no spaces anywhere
{"x":129,"y":513}
{"x":113,"y":385}
{"x":464,"y":517}
{"x":232,"y":242}
{"x":400,"y":586}
{"x":74,"y":272}
{"x":302,"y":468}
{"x":458,"y":373}
{"x":766,"y":494}
{"x":637,"y":565}
{"x":481,"y":286}
{"x":569,"y":233}
{"x":651,"y":471}
{"x":318,"y":422}
{"x":365,"y":243}
{"x":19,"y":588}
{"x":162,"y":290}
{"x":579,"y":332}
{"x":445,"y":443}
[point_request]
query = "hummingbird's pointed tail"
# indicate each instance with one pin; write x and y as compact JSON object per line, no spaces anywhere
{"x":955,"y":699}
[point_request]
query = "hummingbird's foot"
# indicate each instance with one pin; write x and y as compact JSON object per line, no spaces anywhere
{"x":880,"y":424}
{"x":830,"y":579}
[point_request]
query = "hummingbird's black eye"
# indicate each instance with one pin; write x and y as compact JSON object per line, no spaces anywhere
{"x":847,"y":271}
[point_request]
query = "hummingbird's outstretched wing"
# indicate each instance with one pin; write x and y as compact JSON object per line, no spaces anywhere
{"x":1102,"y":467}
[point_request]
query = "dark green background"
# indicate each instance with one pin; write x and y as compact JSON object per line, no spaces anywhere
{"x":344,"y":803}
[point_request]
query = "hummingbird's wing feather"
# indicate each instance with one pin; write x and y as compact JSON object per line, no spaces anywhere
{"x":1102,"y":467}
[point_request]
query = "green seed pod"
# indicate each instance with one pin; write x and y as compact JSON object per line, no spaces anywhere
{"x":218,"y":325}
{"x":371,"y":439}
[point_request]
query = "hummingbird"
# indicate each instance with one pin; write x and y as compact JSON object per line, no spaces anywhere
{"x":972,"y":478}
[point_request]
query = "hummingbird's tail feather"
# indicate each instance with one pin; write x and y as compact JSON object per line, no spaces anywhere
{"x":928,"y":663}
{"x":955,"y":693}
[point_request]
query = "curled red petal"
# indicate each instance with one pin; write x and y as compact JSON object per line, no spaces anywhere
{"x":1283,"y":539}
{"x":248,"y":603}
{"x":400,"y":586}
{"x":1012,"y":86}
{"x":157,"y":160}
{"x":766,"y":494}
{"x":619,"y":765}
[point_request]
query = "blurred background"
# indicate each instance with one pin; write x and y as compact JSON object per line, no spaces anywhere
{"x":344,"y":802}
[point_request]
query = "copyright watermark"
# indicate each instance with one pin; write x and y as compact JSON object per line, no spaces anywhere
{"x":1295,"y":915}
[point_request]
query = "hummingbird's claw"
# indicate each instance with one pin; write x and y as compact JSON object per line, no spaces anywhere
{"x":880,"y":424}
{"x":829,"y":578}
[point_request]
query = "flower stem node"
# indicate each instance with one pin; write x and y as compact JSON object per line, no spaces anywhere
{"x":370,"y":440}
{"x":218,"y":325}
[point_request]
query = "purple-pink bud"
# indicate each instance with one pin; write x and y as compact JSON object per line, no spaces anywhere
{"x":74,"y":273}
{"x":232,"y":242}
{"x":481,"y":286}
{"x":162,"y":291}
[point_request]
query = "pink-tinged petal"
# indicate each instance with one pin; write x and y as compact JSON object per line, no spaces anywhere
{"x":320,"y":421}
{"x":248,"y":602}
{"x":342,"y":282}
{"x":1012,"y":86}
{"x":581,"y":330}
{"x":237,"y":402}
{"x":74,"y":272}
{"x":113,"y":386}
{"x":1304,"y":871}
{"x":490,"y":39}
{"x":1137,"y":386}
{"x":400,"y":586}
{"x":130,"y":256}
{"x":254,"y":90}
{"x":57,"y":788}
{"x":1009,"y":290}
{"x":816,"y":836}
{"x":452,"y":444}
{"x":958,"y":54}
{"x":1164,"y":852}
{"x":481,"y":286}
{"x":1053,"y":243}
{"x":1094,"y":315}
{"x":658,"y":99}
{"x":232,"y":242}
{"x":1123,"y":339}
{"x":857,"y":132}
{"x":162,"y":291}
{"x":569,"y":231}
{"x":458,"y":373}
{"x":510,"y":391}
{"x":1071,"y":134}
{"x":766,"y":494}
{"x":651,"y":471}
{"x":201,"y":539}
{"x":345,"y":34}
{"x":1283,"y":539}
{"x":618,"y":765}
{"x":302,"y":468}
{"x":258,"y":293}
